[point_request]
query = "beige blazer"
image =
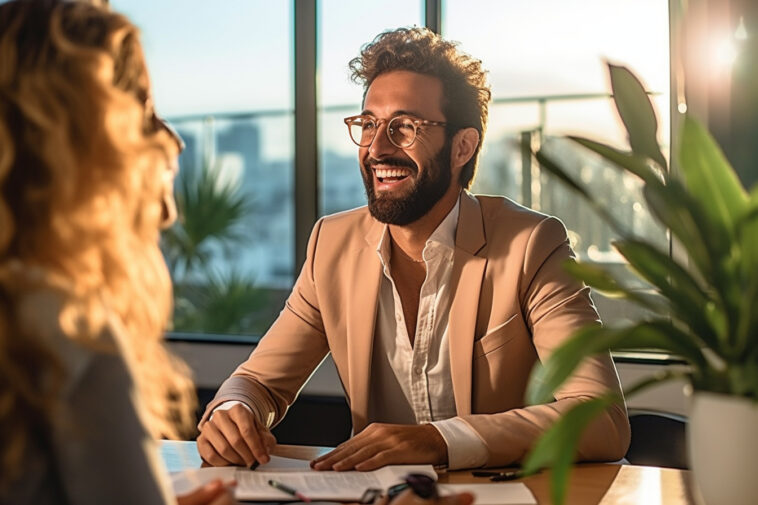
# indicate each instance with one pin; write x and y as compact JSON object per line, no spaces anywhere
{"x":512,"y":305}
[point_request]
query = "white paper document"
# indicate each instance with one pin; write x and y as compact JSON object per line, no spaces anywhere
{"x":496,"y":493}
{"x":329,"y":486}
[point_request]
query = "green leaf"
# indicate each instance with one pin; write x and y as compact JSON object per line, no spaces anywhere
{"x":557,"y":170}
{"x":601,"y":280}
{"x":747,"y":238}
{"x":709,"y":176}
{"x":556,"y":448}
{"x":225,"y":304}
{"x":596,"y":276}
{"x":634,"y":164}
{"x":675,"y":283}
{"x":637,"y":113}
{"x":656,"y":379}
{"x":660,"y":334}
{"x":706,"y":244}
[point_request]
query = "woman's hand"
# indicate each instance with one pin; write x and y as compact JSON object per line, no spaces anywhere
{"x":215,"y":492}
{"x":408,"y":497}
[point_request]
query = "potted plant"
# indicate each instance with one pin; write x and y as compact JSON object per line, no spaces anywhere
{"x":705,"y":309}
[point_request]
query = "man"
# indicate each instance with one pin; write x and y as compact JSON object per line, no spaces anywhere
{"x":434,"y":303}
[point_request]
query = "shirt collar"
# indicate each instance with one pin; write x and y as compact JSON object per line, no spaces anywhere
{"x":443,"y":235}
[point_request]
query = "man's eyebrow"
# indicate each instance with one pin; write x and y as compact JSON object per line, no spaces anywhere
{"x":401,"y":112}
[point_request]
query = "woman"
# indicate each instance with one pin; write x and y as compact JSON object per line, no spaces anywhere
{"x":86,"y":175}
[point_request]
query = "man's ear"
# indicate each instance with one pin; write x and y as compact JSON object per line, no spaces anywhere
{"x":464,"y":145}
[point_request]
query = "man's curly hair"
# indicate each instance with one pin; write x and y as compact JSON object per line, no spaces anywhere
{"x":465,"y":87}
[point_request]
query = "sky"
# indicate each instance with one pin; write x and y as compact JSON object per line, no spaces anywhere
{"x":236,"y":55}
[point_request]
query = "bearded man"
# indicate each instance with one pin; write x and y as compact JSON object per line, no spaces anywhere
{"x":434,"y":303}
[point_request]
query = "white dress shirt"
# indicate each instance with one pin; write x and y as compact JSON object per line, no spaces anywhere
{"x":413,"y":385}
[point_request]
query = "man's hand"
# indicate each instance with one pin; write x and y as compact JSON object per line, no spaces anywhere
{"x":234,"y":437}
{"x":386,"y":444}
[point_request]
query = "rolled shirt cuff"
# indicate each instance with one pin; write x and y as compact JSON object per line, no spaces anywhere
{"x":464,"y":447}
{"x":229,"y":404}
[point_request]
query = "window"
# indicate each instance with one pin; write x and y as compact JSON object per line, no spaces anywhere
{"x":222,"y":75}
{"x":548,"y":76}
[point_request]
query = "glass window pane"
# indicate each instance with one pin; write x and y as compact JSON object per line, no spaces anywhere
{"x":548,"y":73}
{"x":222,"y":75}
{"x":344,"y":27}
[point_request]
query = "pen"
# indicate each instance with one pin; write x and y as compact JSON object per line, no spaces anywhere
{"x":498,"y":476}
{"x":288,"y":490}
{"x":254,"y":465}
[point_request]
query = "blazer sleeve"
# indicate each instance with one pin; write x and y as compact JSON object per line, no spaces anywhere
{"x":272,"y":376}
{"x":554,"y":305}
{"x":103,"y":453}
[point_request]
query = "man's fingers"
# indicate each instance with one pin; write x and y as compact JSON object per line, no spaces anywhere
{"x":269,"y":441}
{"x":367,"y":458}
{"x":208,"y":453}
{"x":251,"y":433}
{"x":378,"y":460}
{"x":339,"y":453}
{"x":220,"y":441}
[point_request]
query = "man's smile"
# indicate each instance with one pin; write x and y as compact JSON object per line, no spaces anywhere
{"x":388,"y":174}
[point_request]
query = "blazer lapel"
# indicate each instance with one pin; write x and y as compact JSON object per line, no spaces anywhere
{"x":467,"y":276}
{"x":366,"y":278}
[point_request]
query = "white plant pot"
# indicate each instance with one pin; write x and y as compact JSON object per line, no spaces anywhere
{"x":722,"y":437}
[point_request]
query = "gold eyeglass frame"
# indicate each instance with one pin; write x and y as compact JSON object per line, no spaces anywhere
{"x":416,"y":122}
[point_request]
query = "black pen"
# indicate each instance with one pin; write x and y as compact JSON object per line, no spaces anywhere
{"x":498,"y":476}
{"x":254,"y":465}
{"x":288,"y":490}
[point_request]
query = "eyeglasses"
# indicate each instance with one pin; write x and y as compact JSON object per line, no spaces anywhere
{"x":401,"y":130}
{"x":154,"y":123}
{"x":165,"y":125}
{"x":422,"y":485}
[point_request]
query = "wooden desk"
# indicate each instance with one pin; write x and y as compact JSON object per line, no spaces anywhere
{"x":607,"y":484}
{"x":591,"y":484}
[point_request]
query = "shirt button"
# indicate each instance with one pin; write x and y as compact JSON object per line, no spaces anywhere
{"x":417,"y":370}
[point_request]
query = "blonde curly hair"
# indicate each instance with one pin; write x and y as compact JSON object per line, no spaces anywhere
{"x":82,"y":171}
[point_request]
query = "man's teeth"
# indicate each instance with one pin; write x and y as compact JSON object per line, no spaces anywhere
{"x":394,"y":172}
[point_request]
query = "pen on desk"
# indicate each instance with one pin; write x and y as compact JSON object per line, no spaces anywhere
{"x":498,"y":476}
{"x":288,"y":490}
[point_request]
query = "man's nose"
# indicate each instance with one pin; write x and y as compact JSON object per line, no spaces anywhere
{"x":381,"y":145}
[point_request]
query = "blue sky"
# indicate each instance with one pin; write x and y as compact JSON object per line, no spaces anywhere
{"x":236,"y":55}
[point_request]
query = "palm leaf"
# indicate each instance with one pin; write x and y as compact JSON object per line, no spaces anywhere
{"x":209,"y":215}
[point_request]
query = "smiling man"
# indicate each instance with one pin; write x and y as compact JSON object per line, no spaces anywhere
{"x":434,"y":303}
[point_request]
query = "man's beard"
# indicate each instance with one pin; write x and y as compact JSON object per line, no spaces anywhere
{"x":426,"y":191}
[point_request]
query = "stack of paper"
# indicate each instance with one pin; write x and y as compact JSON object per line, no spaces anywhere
{"x":297,"y":474}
